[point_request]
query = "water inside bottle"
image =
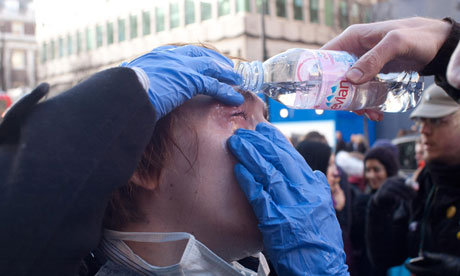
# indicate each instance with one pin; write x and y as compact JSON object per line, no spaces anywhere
{"x":396,"y":92}
{"x":298,"y":95}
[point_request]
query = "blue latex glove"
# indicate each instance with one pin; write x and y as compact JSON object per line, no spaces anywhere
{"x":292,"y":203}
{"x":176,"y":74}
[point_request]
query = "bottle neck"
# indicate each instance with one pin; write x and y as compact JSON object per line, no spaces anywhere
{"x":252,"y":74}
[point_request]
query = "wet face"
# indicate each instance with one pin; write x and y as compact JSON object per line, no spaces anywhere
{"x":375,"y":173}
{"x":440,"y":139}
{"x":199,"y":184}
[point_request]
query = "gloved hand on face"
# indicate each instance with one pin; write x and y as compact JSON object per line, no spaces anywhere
{"x":292,"y":203}
{"x":176,"y":74}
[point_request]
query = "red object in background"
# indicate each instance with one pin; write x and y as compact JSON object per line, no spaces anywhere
{"x":5,"y":102}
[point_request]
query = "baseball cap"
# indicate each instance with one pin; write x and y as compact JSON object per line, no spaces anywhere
{"x":435,"y":104}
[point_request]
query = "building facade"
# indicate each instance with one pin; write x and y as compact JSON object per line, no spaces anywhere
{"x":18,"y":48}
{"x":87,"y":36}
{"x":90,"y":35}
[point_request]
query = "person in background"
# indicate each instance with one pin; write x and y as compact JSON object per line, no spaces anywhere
{"x":379,"y":164}
{"x":352,"y":164}
{"x":357,"y":144}
{"x":424,"y":224}
{"x":413,"y":44}
{"x":315,"y":136}
{"x":339,"y":142}
{"x":319,"y":156}
{"x":419,"y":154}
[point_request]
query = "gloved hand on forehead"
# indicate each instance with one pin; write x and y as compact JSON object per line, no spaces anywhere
{"x":292,"y":203}
{"x":176,"y":74}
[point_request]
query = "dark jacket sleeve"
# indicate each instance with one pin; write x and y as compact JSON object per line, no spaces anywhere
{"x":386,"y":233}
{"x":60,"y":159}
{"x":438,"y":66}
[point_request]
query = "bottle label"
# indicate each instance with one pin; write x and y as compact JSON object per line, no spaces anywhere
{"x":335,"y":93}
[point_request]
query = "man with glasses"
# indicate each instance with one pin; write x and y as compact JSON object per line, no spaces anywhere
{"x":423,"y":225}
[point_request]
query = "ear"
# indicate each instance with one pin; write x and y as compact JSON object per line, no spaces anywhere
{"x":146,"y":182}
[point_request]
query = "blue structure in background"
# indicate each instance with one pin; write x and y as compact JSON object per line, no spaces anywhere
{"x":346,"y":122}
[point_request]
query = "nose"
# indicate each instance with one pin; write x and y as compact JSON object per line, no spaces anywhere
{"x":370,"y":174}
{"x":425,"y":128}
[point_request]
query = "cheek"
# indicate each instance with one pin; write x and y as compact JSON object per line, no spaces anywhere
{"x":368,"y":175}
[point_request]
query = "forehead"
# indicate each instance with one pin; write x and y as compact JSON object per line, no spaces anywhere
{"x":373,"y":162}
{"x":202,"y":104}
{"x":252,"y":99}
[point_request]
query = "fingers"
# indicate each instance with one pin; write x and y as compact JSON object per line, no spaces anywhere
{"x":220,"y":91}
{"x":197,"y":51}
{"x":253,"y":190}
{"x":453,"y":69}
{"x":165,"y":48}
{"x":372,"y":114}
{"x":214,"y":68}
{"x":372,"y":62}
{"x":261,"y":201}
{"x":277,"y":150}
{"x":252,"y":160}
{"x":273,"y":134}
{"x":272,"y":181}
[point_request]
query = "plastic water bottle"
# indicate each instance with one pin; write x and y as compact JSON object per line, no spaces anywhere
{"x":315,"y":79}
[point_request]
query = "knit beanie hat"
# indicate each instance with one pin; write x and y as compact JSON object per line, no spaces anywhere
{"x":384,"y":156}
{"x":316,"y":154}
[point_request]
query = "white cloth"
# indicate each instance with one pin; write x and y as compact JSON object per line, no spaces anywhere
{"x":196,"y":259}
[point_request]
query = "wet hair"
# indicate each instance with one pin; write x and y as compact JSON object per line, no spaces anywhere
{"x":123,"y":207}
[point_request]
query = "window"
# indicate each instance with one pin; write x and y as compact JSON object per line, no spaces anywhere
{"x":159,"y":19}
{"x":206,"y":11}
{"x":69,"y":45}
{"x":298,"y":9}
{"x":52,"y":49}
{"x":281,"y":8}
{"x":61,"y":47}
{"x":329,"y":12}
{"x":132,"y":26}
{"x":314,"y":9}
{"x":44,"y":52}
{"x":79,"y":42}
{"x":354,"y":13}
{"x":174,"y":18}
{"x":367,"y":15}
{"x":89,"y":39}
{"x":18,"y":60}
{"x":189,"y":12}
{"x":99,"y":36}
{"x":223,"y":7}
{"x":17,"y":28}
{"x":259,"y":6}
{"x":121,"y":30}
{"x":243,"y":5}
{"x":343,"y":14}
{"x":146,"y":23}
{"x":109,"y":30}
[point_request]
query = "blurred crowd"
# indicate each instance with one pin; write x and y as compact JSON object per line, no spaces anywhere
{"x":381,"y":208}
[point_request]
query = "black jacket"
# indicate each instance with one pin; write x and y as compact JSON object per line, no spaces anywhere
{"x":60,"y":159}
{"x":430,"y":222}
{"x":438,"y":66}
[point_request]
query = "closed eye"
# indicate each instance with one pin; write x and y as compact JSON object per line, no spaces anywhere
{"x":241,"y":114}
